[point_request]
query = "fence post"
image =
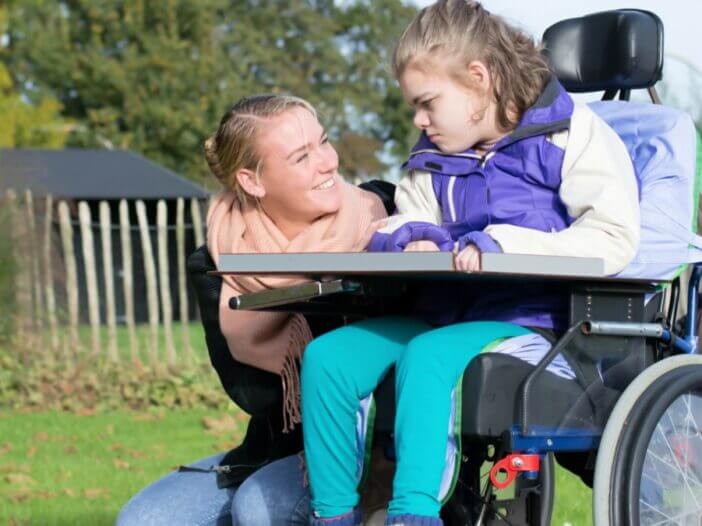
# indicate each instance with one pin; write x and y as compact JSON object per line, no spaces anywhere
{"x":164,"y":281}
{"x":196,"y":216}
{"x":150,"y":274}
{"x":108,"y":275}
{"x":125,"y":237}
{"x":86,"y":234}
{"x":21,"y":285}
{"x":32,"y":253}
{"x":71,"y":274}
{"x":49,"y":274}
{"x":182,"y":283}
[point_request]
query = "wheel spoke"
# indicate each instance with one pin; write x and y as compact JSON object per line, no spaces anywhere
{"x":671,"y":488}
{"x":656,"y":510}
{"x":686,"y":401}
{"x":674,"y":469}
{"x":676,"y":518}
{"x":649,"y":462}
{"x":679,"y":468}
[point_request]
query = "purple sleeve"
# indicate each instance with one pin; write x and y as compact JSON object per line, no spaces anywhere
{"x":413,"y":231}
{"x":481,"y":240}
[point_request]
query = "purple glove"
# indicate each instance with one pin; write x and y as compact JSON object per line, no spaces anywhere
{"x":413,"y":231}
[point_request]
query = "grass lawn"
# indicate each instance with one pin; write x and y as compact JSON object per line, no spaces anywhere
{"x":66,"y":469}
{"x":143,"y":333}
{"x":62,"y":468}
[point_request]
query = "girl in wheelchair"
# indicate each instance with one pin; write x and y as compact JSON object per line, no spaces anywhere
{"x":506,"y":162}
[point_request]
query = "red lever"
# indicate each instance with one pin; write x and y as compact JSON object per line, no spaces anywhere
{"x":511,"y":465}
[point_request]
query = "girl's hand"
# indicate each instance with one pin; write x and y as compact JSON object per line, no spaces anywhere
{"x":421,"y":246}
{"x":468,"y":259}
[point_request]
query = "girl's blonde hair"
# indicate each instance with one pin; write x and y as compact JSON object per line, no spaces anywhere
{"x":464,"y":31}
{"x":234,"y":145}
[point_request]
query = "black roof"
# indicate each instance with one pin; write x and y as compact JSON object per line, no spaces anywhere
{"x":92,"y":174}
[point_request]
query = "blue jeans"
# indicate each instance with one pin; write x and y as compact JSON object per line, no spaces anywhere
{"x":274,"y":495}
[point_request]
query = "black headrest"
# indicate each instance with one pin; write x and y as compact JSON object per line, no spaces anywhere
{"x":612,"y":50}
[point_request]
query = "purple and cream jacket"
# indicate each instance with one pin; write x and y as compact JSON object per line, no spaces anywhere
{"x":513,"y":199}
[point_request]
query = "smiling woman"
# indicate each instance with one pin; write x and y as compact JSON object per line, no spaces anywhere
{"x":281,"y":193}
{"x":272,"y":150}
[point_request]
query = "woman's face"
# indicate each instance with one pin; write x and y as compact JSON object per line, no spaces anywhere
{"x":299,"y":169}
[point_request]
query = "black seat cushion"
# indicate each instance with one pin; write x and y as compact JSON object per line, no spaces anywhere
{"x":611,"y":50}
{"x":491,"y":395}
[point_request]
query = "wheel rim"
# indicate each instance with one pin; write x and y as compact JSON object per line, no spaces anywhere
{"x":670,"y":486}
{"x":607,"y":497}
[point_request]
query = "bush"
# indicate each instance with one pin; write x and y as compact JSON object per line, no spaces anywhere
{"x":81,"y":386}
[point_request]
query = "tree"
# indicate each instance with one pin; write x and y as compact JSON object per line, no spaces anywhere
{"x":156,"y":76}
{"x":28,"y":125}
{"x":24,"y":124}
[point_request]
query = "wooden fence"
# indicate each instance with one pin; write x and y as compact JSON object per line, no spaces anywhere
{"x":57,"y":245}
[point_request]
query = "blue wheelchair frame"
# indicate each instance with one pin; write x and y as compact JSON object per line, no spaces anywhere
{"x":534,"y":439}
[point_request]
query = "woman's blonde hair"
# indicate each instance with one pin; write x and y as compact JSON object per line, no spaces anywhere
{"x":464,"y":31}
{"x":234,"y":145}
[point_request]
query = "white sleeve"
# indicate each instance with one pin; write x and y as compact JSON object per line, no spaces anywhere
{"x":414,"y":201}
{"x":598,"y":188}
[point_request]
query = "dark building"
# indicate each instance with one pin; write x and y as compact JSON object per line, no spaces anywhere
{"x":75,"y":175}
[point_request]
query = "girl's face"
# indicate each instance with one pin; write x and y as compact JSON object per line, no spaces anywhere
{"x":453,"y":116}
{"x":299,"y":179}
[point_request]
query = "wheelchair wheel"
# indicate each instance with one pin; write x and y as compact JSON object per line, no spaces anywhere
{"x":649,"y":463}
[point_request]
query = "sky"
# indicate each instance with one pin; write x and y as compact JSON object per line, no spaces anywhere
{"x":682,"y":22}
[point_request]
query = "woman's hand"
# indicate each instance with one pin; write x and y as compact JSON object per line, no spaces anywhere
{"x":468,"y":259}
{"x":421,"y":246}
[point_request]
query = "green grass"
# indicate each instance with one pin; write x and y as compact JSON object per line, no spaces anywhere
{"x":573,"y":500}
{"x":63,"y":468}
{"x":143,"y":334}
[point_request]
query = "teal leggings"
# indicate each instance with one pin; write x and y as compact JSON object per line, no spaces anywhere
{"x":344,"y":366}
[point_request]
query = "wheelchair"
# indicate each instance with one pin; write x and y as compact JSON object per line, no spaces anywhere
{"x":630,"y":422}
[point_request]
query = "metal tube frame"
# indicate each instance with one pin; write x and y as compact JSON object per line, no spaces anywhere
{"x":544,"y":439}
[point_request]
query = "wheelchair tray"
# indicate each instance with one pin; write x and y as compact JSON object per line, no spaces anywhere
{"x":353,"y":283}
{"x":394,"y":262}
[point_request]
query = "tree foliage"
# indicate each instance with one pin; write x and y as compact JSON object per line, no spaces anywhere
{"x":155,"y":76}
{"x":23,"y":123}
{"x":28,"y":125}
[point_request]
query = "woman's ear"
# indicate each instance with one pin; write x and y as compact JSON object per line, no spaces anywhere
{"x":250,"y":183}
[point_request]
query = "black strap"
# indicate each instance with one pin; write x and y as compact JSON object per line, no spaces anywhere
{"x":223,"y":469}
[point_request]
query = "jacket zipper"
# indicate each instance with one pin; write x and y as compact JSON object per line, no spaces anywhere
{"x":452,"y":205}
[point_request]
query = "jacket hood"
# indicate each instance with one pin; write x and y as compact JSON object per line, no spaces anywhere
{"x":549,"y":114}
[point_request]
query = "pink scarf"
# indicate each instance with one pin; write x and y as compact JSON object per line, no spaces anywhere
{"x":275,"y":341}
